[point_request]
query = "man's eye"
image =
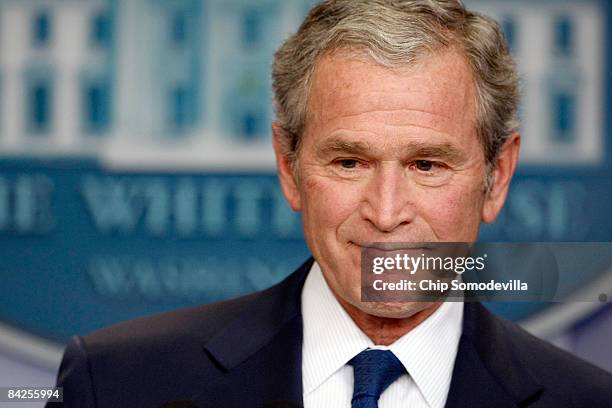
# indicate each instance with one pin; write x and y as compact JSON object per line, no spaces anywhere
{"x":424,"y":165}
{"x":348,"y":163}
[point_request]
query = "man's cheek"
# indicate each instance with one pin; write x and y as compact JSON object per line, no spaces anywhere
{"x":330,"y":202}
{"x":449,"y":214}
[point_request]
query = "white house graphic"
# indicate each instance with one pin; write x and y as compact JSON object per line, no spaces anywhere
{"x":184,"y":84}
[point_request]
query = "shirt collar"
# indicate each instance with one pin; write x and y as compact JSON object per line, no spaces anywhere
{"x":428,"y":351}
{"x":332,"y":339}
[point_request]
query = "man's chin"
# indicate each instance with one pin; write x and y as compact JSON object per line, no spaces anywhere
{"x":394,"y":310}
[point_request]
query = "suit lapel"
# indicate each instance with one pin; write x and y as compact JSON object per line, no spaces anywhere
{"x":261,"y":350}
{"x":261,"y":354}
{"x":486,"y":372}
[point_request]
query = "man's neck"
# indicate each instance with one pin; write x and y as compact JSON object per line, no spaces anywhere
{"x":386,"y":330}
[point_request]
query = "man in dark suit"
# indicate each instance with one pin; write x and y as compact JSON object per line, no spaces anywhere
{"x":396,"y":122}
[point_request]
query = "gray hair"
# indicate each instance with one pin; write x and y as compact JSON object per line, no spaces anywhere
{"x":396,"y":33}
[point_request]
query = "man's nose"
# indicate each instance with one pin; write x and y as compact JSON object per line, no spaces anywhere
{"x":387,"y":200}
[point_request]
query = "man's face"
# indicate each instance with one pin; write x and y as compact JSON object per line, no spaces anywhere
{"x":387,"y":156}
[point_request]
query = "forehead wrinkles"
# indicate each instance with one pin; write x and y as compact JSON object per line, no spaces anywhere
{"x":438,"y":89}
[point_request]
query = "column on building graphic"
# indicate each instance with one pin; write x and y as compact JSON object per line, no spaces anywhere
{"x":559,"y":47}
{"x":58,"y":66}
{"x":510,"y":28}
{"x":510,"y":24}
{"x":245,"y":58}
{"x":182,"y":64}
{"x":28,"y":81}
{"x":160,"y":81}
{"x":564,"y":81}
{"x":96,"y":80}
{"x":39,"y":76}
{"x":573,"y":83}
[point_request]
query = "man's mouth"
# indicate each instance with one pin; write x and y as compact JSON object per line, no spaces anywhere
{"x":396,"y":245}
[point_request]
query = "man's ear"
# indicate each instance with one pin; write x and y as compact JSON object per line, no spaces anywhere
{"x":501,"y":175}
{"x":284,"y":167}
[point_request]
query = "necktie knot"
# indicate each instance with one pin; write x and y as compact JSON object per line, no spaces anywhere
{"x":373,"y":371}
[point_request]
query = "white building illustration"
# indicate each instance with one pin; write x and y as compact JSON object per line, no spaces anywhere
{"x":560,"y":50}
{"x":56,"y":78}
{"x":155,"y":84}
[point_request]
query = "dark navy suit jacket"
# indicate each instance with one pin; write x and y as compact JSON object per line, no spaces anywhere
{"x":247,"y":352}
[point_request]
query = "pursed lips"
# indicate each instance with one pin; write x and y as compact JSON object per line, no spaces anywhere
{"x":396,"y":245}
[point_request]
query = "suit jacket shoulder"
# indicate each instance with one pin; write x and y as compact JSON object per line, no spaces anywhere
{"x":186,"y":355}
{"x":582,"y":382}
{"x":519,"y":369}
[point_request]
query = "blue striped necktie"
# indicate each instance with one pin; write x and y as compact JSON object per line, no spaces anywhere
{"x":373,"y":371}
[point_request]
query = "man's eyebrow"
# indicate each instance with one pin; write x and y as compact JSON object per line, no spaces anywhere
{"x":342,"y":146}
{"x":435,"y":151}
{"x":445,"y":151}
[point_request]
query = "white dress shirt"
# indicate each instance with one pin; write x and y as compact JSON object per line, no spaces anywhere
{"x":331,"y":339}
